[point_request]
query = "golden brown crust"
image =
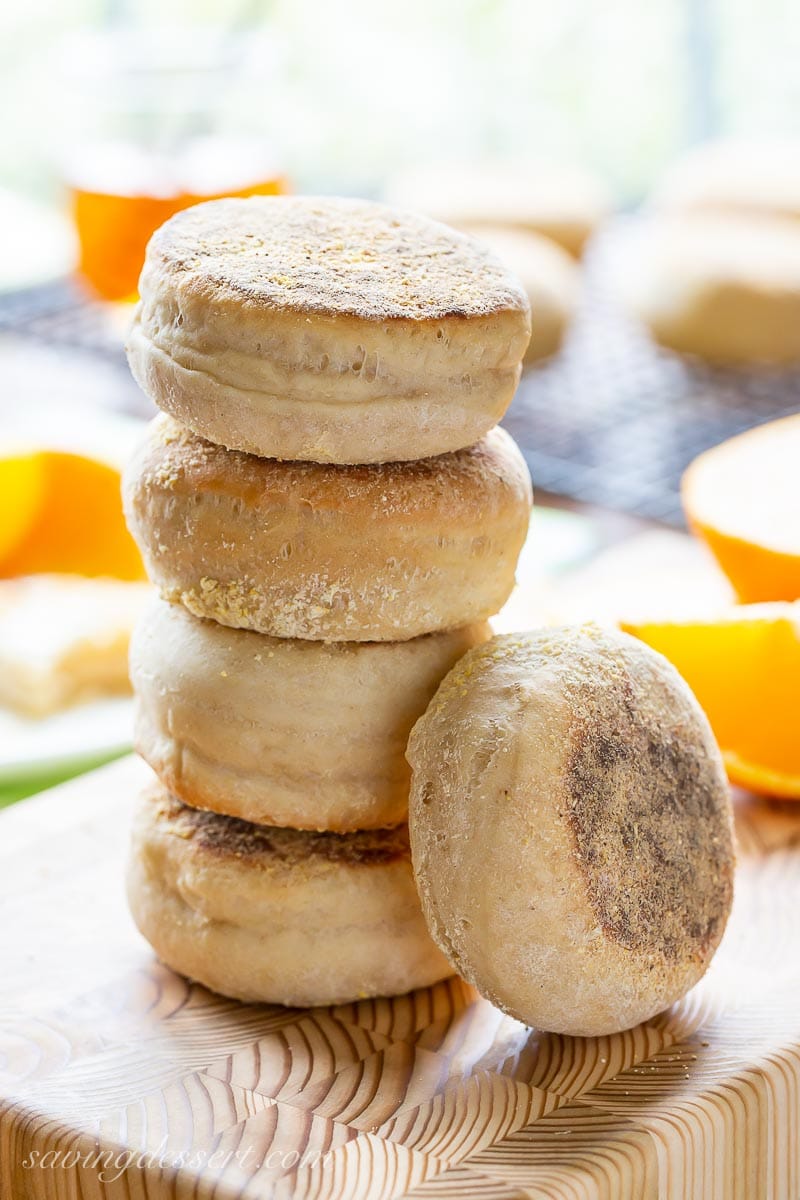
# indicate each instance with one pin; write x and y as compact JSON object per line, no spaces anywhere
{"x":354,"y":553}
{"x":271,"y":848}
{"x":438,"y":489}
{"x":275,"y":915}
{"x":645,"y":812}
{"x":571,"y":828}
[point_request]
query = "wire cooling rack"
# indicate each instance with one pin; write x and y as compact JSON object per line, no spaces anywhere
{"x":611,"y":420}
{"x":62,"y":315}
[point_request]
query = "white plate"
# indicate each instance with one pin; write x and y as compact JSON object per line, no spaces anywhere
{"x":84,"y":734}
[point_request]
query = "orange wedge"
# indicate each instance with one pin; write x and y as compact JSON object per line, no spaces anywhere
{"x":60,"y":505}
{"x":743,"y":499}
{"x":744,"y":668}
{"x":20,"y":495}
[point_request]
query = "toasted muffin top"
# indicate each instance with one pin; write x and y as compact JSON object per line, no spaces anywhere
{"x":324,"y":255}
{"x":489,"y":476}
{"x":635,"y":777}
{"x":267,"y":846}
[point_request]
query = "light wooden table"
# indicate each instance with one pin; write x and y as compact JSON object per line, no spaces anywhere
{"x":118,"y":1079}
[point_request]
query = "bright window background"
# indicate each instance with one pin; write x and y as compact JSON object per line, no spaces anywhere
{"x":358,"y":87}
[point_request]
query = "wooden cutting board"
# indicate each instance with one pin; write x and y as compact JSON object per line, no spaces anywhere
{"x":119,"y":1079}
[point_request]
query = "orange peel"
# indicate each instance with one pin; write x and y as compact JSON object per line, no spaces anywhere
{"x":60,"y":505}
{"x":744,"y":668}
{"x":743,"y":499}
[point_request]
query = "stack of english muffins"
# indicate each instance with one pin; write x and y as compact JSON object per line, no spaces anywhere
{"x":330,"y":516}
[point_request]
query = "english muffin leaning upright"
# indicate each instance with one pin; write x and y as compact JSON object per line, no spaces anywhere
{"x":327,"y":330}
{"x":571,"y":828}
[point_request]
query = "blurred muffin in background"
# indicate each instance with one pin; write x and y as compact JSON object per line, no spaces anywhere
{"x":724,"y":288}
{"x":734,"y":177}
{"x":562,"y":202}
{"x":549,"y":276}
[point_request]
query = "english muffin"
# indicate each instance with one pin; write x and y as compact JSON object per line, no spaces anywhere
{"x":304,"y":550}
{"x":280,"y":731}
{"x":571,"y":828}
{"x":327,"y":330}
{"x":724,"y":288}
{"x":277,"y":915}
{"x":560,"y":201}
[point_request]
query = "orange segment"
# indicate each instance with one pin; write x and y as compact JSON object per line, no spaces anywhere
{"x":114,"y":230}
{"x":744,"y":668}
{"x":70,"y":519}
{"x":21,"y":486}
{"x":743,"y":498}
{"x":60,"y":503}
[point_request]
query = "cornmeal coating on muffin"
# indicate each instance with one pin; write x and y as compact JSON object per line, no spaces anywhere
{"x":305,"y":550}
{"x":282,"y":731}
{"x":571,"y":828}
{"x":274,"y":915}
{"x":327,"y":330}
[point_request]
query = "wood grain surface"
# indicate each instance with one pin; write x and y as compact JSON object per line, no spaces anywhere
{"x":119,"y":1079}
